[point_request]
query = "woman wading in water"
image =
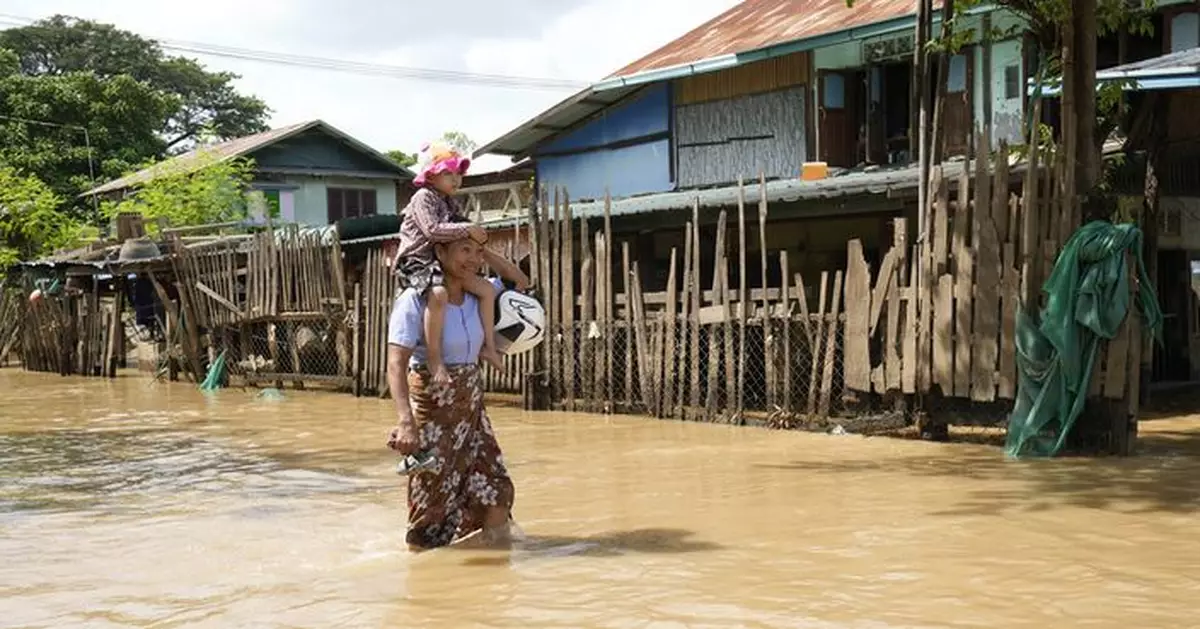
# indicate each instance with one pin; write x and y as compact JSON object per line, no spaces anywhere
{"x":466,"y":489}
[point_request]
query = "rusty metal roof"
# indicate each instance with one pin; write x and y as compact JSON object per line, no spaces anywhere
{"x":198,"y":158}
{"x":751,"y":31}
{"x":755,"y":24}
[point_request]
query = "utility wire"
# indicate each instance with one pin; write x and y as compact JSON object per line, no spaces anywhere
{"x":87,"y":140}
{"x":350,"y":67}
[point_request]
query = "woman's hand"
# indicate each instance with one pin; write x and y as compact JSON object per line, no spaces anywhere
{"x":404,"y":438}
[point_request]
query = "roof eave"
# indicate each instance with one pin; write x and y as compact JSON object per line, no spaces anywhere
{"x":730,"y":60}
{"x":364,"y":148}
{"x":657,"y":75}
{"x":1143,"y":82}
{"x":504,"y":145}
{"x":511,"y":143}
{"x":403,"y":172}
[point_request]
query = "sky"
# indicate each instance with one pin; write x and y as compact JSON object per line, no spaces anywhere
{"x":575,"y":40}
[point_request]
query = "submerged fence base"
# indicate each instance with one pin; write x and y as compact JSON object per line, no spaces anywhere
{"x":920,"y":332}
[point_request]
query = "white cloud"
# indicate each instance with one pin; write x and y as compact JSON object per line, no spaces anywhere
{"x":583,"y":40}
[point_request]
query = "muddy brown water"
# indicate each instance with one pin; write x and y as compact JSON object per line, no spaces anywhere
{"x":130,"y":504}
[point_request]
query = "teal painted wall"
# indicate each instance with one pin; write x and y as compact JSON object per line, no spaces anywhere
{"x":303,"y":199}
{"x":316,"y":150}
{"x":1006,"y":112}
{"x":1007,"y":107}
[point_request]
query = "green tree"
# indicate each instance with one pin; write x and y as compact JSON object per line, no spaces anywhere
{"x":30,"y":223}
{"x":10,"y":64}
{"x":1049,"y":22}
{"x":207,"y":190}
{"x":135,"y":102}
{"x":206,"y":102}
{"x":122,"y":118}
{"x":460,"y":142}
{"x":404,"y":159}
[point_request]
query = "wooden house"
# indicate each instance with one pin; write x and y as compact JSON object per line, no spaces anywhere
{"x":310,"y":174}
{"x":770,"y":85}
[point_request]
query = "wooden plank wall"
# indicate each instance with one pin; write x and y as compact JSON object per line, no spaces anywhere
{"x":936,"y":317}
{"x":12,"y":307}
{"x":76,"y":334}
{"x":691,"y":351}
{"x":942,"y":313}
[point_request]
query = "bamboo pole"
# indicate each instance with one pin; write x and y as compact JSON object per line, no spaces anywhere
{"x":743,"y":303}
{"x":768,"y":322}
{"x":694,"y":315}
{"x":608,"y":297}
{"x":669,"y":378}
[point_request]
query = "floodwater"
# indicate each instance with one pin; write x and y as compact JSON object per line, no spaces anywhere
{"x":130,"y":504}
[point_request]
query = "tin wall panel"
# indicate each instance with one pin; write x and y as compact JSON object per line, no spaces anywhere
{"x":719,"y":141}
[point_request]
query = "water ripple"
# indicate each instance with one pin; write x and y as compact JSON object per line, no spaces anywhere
{"x":93,"y":469}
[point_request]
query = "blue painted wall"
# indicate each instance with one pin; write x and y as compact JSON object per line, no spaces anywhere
{"x":316,"y":150}
{"x":581,"y":162}
{"x":627,"y":171}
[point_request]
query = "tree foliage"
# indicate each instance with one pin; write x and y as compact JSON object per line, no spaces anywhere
{"x":135,"y":102}
{"x":30,"y":223}
{"x":206,"y":103}
{"x":460,"y":142}
{"x":402,"y":158}
{"x":1044,"y":20}
{"x":120,"y":115}
{"x":210,"y":190}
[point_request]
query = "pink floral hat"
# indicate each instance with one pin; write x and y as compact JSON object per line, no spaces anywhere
{"x":436,"y":158}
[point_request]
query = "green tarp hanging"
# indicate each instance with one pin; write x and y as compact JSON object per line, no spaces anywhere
{"x":1087,"y":300}
{"x":216,"y":373}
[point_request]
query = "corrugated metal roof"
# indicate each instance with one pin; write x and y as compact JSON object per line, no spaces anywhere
{"x":555,"y":120}
{"x":751,"y":31}
{"x":197,"y":158}
{"x":1177,"y":70}
{"x":755,"y":24}
{"x":1182,"y":62}
{"x":779,"y":191}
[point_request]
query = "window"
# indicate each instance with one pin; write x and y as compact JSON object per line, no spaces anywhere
{"x":1171,"y":221}
{"x":350,"y":203}
{"x":1012,"y":82}
{"x":1185,"y":31}
{"x":956,"y":78}
{"x":271,"y":197}
{"x":835,"y":91}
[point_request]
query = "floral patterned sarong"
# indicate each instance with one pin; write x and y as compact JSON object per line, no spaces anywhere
{"x":468,"y":476}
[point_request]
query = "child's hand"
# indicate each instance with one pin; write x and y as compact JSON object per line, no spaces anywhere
{"x":478,"y":234}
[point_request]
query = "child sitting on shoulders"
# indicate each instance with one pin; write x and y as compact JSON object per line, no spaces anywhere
{"x":435,"y":216}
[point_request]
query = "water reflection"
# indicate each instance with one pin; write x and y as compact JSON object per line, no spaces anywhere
{"x":75,"y":470}
{"x":1164,"y":477}
{"x":123,"y":504}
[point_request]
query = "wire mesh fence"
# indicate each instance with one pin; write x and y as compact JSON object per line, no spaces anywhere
{"x":783,"y":373}
{"x":313,"y":352}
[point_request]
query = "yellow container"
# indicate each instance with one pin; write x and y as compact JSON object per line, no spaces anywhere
{"x":814,"y":170}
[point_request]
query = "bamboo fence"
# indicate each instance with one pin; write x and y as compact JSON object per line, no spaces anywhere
{"x":11,"y":318}
{"x":73,"y":334}
{"x":934,"y":320}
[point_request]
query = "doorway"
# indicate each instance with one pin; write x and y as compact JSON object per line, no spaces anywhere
{"x":1172,"y":360}
{"x":841,"y":118}
{"x":888,"y":115}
